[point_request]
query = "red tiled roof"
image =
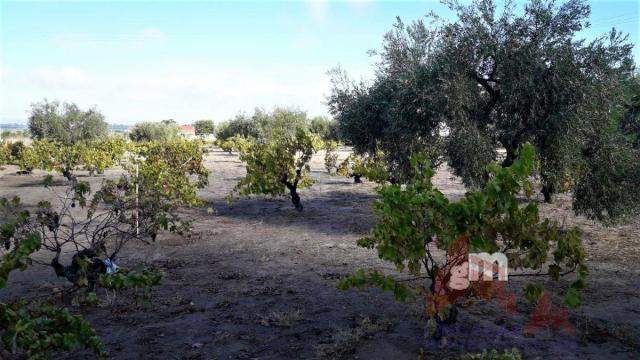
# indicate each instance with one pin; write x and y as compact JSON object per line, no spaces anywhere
{"x":187,"y":128}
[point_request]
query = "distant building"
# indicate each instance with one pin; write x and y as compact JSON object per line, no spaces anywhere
{"x":188,"y":131}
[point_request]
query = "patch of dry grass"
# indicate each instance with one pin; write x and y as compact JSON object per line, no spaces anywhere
{"x":282,"y":318}
{"x":345,"y":341}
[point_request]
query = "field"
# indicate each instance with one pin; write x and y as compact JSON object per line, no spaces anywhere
{"x":257,"y":280}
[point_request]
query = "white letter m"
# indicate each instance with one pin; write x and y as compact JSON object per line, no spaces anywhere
{"x":485,"y":261}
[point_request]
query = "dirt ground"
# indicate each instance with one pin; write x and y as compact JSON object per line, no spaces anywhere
{"x":258,"y":281}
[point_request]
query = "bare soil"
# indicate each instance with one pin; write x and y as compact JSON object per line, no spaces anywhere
{"x":258,"y":281}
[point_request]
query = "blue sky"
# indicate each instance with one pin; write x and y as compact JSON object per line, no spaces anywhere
{"x":147,"y":61}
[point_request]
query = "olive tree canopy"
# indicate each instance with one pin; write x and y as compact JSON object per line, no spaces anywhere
{"x":66,"y":122}
{"x":241,"y":125}
{"x":263,"y":124}
{"x":154,"y":131}
{"x":204,"y":127}
{"x":325,"y":128}
{"x":498,"y":78}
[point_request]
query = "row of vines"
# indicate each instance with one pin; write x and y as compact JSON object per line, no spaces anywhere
{"x":160,"y":177}
{"x":84,"y":246}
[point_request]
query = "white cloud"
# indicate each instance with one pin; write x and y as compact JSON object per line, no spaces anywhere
{"x":73,"y":40}
{"x":182,"y":89}
{"x":319,"y":10}
{"x":58,"y":77}
{"x":114,"y":42}
{"x":306,"y":42}
{"x":151,"y":35}
{"x":361,"y":4}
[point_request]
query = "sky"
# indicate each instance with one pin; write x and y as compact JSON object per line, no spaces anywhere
{"x":148,"y":61}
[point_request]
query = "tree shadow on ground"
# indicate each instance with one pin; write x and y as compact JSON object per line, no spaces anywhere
{"x":333,"y":213}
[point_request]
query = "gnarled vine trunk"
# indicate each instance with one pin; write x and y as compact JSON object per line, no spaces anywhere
{"x":84,"y":265}
{"x":547,"y":191}
{"x":69,"y":175}
{"x":293,"y":190}
{"x":295,"y":199}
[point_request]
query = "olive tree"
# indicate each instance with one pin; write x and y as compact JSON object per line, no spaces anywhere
{"x":325,"y":128}
{"x":497,"y":78}
{"x":630,"y":122}
{"x":397,"y":112}
{"x":529,"y":79}
{"x":241,"y":125}
{"x":264,"y":124}
{"x":66,"y":122}
{"x":608,"y":190}
{"x":204,"y":127}
{"x":154,"y":131}
{"x":280,"y":121}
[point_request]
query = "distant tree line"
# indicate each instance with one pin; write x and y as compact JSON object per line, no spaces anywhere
{"x":67,"y":123}
{"x":263,"y":124}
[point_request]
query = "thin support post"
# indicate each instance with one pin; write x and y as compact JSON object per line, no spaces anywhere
{"x":137,"y":215}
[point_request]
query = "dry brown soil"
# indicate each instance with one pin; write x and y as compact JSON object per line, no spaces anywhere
{"x":258,"y":281}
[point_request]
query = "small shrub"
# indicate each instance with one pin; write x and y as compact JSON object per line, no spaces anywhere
{"x":279,"y":164}
{"x":416,"y":218}
{"x":367,"y":166}
{"x":330,"y":156}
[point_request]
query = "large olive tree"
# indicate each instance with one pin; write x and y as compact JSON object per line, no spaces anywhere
{"x":497,"y":78}
{"x":66,"y":122}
